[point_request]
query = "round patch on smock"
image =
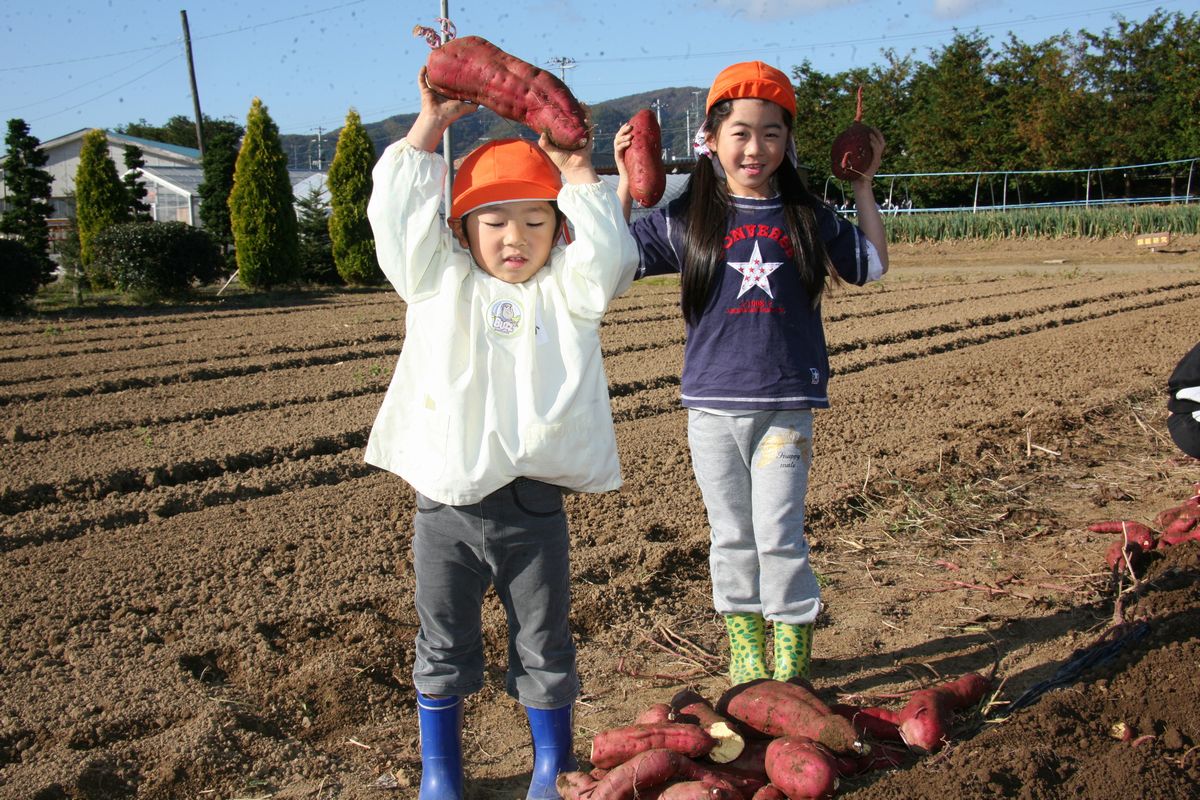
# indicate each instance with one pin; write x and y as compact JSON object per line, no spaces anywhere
{"x":504,"y":317}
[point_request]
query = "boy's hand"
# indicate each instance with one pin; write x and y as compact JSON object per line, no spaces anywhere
{"x":575,"y":165}
{"x":437,"y":113}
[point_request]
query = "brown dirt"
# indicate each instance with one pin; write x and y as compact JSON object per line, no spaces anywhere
{"x":207,"y":594}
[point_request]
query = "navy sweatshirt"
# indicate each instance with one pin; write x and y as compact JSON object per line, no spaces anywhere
{"x":760,"y":344}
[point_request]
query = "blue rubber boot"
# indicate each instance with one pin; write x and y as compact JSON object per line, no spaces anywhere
{"x":552,"y":752}
{"x":441,"y":747}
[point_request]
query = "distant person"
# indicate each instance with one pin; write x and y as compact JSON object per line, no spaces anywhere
{"x":755,"y":249}
{"x":1184,"y":403}
{"x":499,"y":404}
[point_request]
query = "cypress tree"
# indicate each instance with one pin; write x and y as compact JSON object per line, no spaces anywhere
{"x":139,"y":209}
{"x":350,"y":189}
{"x":28,"y":202}
{"x":262,"y":215}
{"x":100,"y":198}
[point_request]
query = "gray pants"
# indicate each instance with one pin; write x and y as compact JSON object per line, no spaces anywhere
{"x":753,"y":473}
{"x":516,"y":540}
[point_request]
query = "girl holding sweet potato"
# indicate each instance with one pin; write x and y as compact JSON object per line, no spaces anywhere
{"x":755,"y":249}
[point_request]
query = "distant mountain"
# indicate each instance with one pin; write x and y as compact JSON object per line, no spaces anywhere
{"x":677,"y":108}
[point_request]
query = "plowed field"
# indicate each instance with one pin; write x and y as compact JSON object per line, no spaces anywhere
{"x":208,"y":594}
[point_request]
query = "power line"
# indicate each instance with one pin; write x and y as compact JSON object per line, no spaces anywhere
{"x":151,"y":71}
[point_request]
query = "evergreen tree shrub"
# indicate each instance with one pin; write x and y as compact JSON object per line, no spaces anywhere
{"x":27,"y":200}
{"x":20,"y":275}
{"x":262,"y":213}
{"x":139,"y":209}
{"x":316,"y":249}
{"x":100,"y":198}
{"x":220,"y":161}
{"x":159,"y":261}
{"x":350,"y":190}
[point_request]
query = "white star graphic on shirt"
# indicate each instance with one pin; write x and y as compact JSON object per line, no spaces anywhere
{"x":755,"y":272}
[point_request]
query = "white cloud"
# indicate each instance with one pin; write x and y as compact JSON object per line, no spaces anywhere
{"x":770,"y":9}
{"x":953,"y":9}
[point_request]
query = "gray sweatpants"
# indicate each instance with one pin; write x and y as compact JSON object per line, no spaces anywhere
{"x":753,"y":473}
{"x":515,"y":539}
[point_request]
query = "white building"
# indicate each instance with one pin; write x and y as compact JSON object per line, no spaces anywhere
{"x":172,"y":175}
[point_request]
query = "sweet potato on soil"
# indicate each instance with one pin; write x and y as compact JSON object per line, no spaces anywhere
{"x":694,"y":790}
{"x":617,"y":745}
{"x":801,"y":769}
{"x":575,"y":785}
{"x":688,"y":706}
{"x":1134,"y":531}
{"x":473,"y":69}
{"x":883,"y":755}
{"x":925,"y":720}
{"x":659,"y":712}
{"x":777,"y":708}
{"x":874,"y":721}
{"x":644,"y":770}
{"x":752,"y":761}
{"x":746,"y":785}
{"x":769,"y":792}
{"x":643,"y":159}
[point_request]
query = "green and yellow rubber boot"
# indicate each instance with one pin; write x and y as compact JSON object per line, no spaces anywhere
{"x":793,"y":650}
{"x":747,"y":646}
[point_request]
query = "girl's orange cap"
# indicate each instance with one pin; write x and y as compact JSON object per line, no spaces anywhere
{"x":503,"y":171}
{"x":753,"y":79}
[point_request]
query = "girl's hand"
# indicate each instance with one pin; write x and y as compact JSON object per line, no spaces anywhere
{"x":877,"y":147}
{"x":575,"y":165}
{"x":621,"y":143}
{"x":437,"y":113}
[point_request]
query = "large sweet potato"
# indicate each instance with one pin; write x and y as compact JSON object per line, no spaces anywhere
{"x":472,"y":68}
{"x":617,"y":745}
{"x":643,"y":159}
{"x":776,"y":708}
{"x":800,"y":768}
{"x":644,"y":770}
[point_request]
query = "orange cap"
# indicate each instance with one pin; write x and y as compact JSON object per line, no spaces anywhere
{"x":503,"y":171}
{"x":753,"y":79}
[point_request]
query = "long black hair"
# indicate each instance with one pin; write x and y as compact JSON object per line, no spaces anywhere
{"x":708,"y":214}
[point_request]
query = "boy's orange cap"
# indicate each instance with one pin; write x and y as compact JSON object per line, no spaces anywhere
{"x":503,"y":171}
{"x":753,"y":79}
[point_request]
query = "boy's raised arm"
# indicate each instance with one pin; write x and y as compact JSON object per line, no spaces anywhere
{"x":437,"y":113}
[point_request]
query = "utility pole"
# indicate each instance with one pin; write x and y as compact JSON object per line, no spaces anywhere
{"x":320,"y":151}
{"x":563,"y":63}
{"x":187,"y":44}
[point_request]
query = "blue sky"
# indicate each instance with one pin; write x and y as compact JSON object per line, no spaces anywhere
{"x":71,"y":64}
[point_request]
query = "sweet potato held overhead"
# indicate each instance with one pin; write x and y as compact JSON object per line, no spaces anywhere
{"x":473,"y":69}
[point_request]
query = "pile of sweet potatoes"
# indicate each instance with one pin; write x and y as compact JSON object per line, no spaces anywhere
{"x":1136,"y":542}
{"x":763,"y":740}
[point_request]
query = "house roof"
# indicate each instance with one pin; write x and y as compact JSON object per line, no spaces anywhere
{"x":187,"y":180}
{"x":147,"y":145}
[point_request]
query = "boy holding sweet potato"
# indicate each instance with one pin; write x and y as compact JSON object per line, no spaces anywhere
{"x":498,"y":404}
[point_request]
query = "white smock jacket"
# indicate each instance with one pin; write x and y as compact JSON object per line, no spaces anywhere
{"x":495,"y":381}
